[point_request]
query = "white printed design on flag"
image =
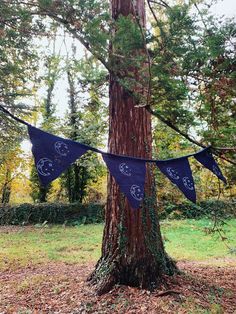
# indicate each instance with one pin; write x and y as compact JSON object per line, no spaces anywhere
{"x":125,"y":169}
{"x":216,"y":170}
{"x":172,"y":173}
{"x":188,"y":183}
{"x":61,"y":148}
{"x":45,"y":167}
{"x":136,"y":192}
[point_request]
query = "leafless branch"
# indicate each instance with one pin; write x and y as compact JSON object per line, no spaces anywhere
{"x":152,"y":11}
{"x":161,"y":2}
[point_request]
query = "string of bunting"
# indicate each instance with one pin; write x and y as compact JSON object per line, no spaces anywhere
{"x":53,"y":155}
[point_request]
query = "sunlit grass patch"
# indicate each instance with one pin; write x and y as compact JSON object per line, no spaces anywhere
{"x":188,"y":239}
{"x":33,"y":245}
{"x":184,"y":240}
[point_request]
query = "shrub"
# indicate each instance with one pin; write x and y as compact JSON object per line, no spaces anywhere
{"x":209,"y":208}
{"x":75,"y":213}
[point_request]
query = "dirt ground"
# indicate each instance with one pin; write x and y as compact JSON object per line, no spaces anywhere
{"x":62,"y":288}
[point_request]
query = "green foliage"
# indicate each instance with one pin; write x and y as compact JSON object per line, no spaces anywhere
{"x":86,"y":124}
{"x":127,"y":42}
{"x":17,"y":55}
{"x":216,"y":209}
{"x":90,"y":74}
{"x":89,"y":19}
{"x":73,"y":214}
{"x":193,"y":73}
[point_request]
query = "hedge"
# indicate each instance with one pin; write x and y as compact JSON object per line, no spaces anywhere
{"x":54,"y":213}
{"x":51,"y":213}
{"x":207,"y":209}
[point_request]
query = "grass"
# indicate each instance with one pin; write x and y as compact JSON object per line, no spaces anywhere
{"x":184,"y":240}
{"x":187,"y":240}
{"x":38,"y":245}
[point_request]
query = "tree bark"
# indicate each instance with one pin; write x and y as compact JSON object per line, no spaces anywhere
{"x":6,"y":189}
{"x":75,"y":177}
{"x":132,"y":250}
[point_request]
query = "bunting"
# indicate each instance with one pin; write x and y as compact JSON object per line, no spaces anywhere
{"x":178,"y":172}
{"x":207,"y":160}
{"x":53,"y":154}
{"x":129,"y":174}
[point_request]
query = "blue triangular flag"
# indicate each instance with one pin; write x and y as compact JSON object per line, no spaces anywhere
{"x":129,"y":174}
{"x":206,"y":159}
{"x":178,"y":171}
{"x":53,"y":154}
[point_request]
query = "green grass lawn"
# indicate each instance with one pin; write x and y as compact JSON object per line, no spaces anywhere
{"x":35,"y":245}
{"x":188,"y":240}
{"x":184,"y":240}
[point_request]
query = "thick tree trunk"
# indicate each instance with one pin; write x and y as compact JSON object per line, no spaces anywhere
{"x":132,"y":250}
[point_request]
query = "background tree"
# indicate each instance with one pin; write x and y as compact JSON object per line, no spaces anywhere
{"x":18,"y":68}
{"x":85,"y":124}
{"x":10,"y":170}
{"x":52,"y":64}
{"x":193,"y":62}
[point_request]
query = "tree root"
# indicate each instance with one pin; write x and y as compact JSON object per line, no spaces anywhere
{"x":109,"y":272}
{"x":167,"y":292}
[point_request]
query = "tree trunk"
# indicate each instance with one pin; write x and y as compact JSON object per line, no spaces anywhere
{"x":75,"y":176}
{"x":132,"y":250}
{"x":43,"y":193}
{"x":6,"y":189}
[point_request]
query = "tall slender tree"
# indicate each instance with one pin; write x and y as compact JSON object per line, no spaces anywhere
{"x":85,"y":124}
{"x":52,"y":64}
{"x":6,"y":188}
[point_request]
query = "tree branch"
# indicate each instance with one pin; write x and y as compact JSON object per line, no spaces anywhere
{"x":185,"y":135}
{"x":147,"y":53}
{"x":74,"y":32}
{"x":152,"y":11}
{"x":173,"y":127}
{"x":161,"y":2}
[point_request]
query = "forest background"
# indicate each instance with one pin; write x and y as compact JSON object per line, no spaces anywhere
{"x":53,"y":82}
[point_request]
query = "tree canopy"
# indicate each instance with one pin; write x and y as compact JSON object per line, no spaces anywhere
{"x":187,"y":82}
